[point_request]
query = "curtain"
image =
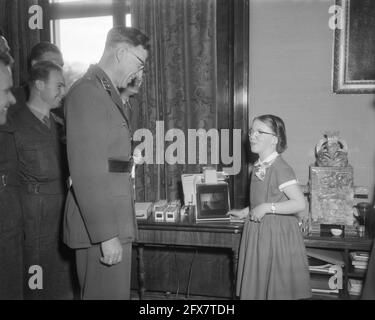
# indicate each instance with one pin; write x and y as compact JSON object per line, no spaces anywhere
{"x":14,"y":21}
{"x":180,"y":86}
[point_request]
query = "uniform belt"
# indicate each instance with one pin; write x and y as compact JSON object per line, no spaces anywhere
{"x":53,"y":187}
{"x":120,"y":165}
{"x":9,"y":179}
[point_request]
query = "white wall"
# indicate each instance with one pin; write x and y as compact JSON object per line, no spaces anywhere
{"x":291,"y":76}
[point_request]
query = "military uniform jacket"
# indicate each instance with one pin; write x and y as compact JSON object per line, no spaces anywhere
{"x":8,"y":154}
{"x":100,"y":203}
{"x":10,"y":205}
{"x":41,"y":157}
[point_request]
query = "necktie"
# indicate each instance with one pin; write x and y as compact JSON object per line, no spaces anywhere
{"x":46,"y":120}
{"x":260,"y":170}
{"x":127,"y":109}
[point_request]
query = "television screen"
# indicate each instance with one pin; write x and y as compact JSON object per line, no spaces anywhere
{"x":212,"y":201}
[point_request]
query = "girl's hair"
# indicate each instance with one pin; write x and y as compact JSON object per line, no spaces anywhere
{"x":278,"y":127}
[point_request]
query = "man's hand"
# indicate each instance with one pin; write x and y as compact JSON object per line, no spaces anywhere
{"x":112,"y":251}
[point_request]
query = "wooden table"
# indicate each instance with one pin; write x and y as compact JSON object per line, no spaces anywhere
{"x":225,"y":235}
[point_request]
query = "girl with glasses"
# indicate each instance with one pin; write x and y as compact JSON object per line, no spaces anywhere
{"x":272,"y":260}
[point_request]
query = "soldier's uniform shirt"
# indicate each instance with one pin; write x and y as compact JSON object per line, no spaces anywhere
{"x":43,"y":174}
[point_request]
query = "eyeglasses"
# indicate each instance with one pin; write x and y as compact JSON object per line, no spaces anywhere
{"x":257,"y":133}
{"x":142,"y":66}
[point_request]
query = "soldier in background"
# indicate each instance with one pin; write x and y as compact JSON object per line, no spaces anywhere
{"x":42,"y":51}
{"x":11,"y":236}
{"x":43,"y":175}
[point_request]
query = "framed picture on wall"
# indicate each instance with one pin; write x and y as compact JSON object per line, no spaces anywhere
{"x":354,"y":47}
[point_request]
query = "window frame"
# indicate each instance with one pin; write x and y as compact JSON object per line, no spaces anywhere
{"x":83,"y":9}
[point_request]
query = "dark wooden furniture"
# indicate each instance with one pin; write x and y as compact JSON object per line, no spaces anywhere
{"x":345,"y":245}
{"x":222,"y":235}
{"x":227,"y":236}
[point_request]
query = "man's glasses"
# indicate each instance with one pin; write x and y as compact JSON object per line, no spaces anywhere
{"x":142,"y":63}
{"x":257,"y":133}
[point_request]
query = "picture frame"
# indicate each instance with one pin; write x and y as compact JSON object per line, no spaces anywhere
{"x":213,"y":203}
{"x":354,"y":47}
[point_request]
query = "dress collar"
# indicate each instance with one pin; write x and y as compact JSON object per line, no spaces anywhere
{"x":268,"y":160}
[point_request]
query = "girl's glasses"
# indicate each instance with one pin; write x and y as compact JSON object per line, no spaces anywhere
{"x":257,"y":133}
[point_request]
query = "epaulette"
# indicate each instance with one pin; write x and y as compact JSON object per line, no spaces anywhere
{"x":106,"y":85}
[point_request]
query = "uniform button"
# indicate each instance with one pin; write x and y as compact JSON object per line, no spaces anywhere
{"x":124,"y":124}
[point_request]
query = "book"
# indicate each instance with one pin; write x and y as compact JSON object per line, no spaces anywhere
{"x":323,"y":270}
{"x":359,"y":263}
{"x":318,"y":266}
{"x":330,"y":256}
{"x":355,"y":286}
{"x":355,"y":283}
{"x":324,"y":290}
{"x":359,"y":256}
{"x":321,"y":282}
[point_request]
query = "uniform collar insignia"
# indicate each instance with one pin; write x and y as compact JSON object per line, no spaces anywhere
{"x":106,"y":84}
{"x":110,"y":88}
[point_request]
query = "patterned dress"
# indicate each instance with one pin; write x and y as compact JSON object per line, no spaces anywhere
{"x":272,"y":261}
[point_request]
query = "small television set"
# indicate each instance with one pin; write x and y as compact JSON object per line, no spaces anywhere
{"x":212,"y":202}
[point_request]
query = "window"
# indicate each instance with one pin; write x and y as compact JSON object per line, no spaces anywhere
{"x":79,"y":29}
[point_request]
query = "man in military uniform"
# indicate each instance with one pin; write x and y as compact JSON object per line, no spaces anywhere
{"x":42,"y":51}
{"x":43,"y":176}
{"x":11,"y":257}
{"x":100,"y":220}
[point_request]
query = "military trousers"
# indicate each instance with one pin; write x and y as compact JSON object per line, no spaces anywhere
{"x":45,"y":249}
{"x":11,"y":244}
{"x":99,"y":281}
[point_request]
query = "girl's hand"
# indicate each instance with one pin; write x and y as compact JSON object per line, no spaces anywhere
{"x":258,"y":212}
{"x":239,"y":213}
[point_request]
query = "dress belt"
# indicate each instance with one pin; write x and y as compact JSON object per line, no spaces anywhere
{"x":280,"y":214}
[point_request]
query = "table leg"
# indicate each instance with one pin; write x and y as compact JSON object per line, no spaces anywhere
{"x":141,"y":271}
{"x":235,"y":256}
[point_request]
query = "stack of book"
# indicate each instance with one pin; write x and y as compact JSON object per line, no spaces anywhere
{"x":355,"y":287}
{"x":315,"y":228}
{"x":351,"y":231}
{"x":359,"y":259}
{"x":325,"y":268}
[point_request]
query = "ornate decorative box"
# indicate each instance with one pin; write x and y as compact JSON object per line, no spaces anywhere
{"x":332,"y":195}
